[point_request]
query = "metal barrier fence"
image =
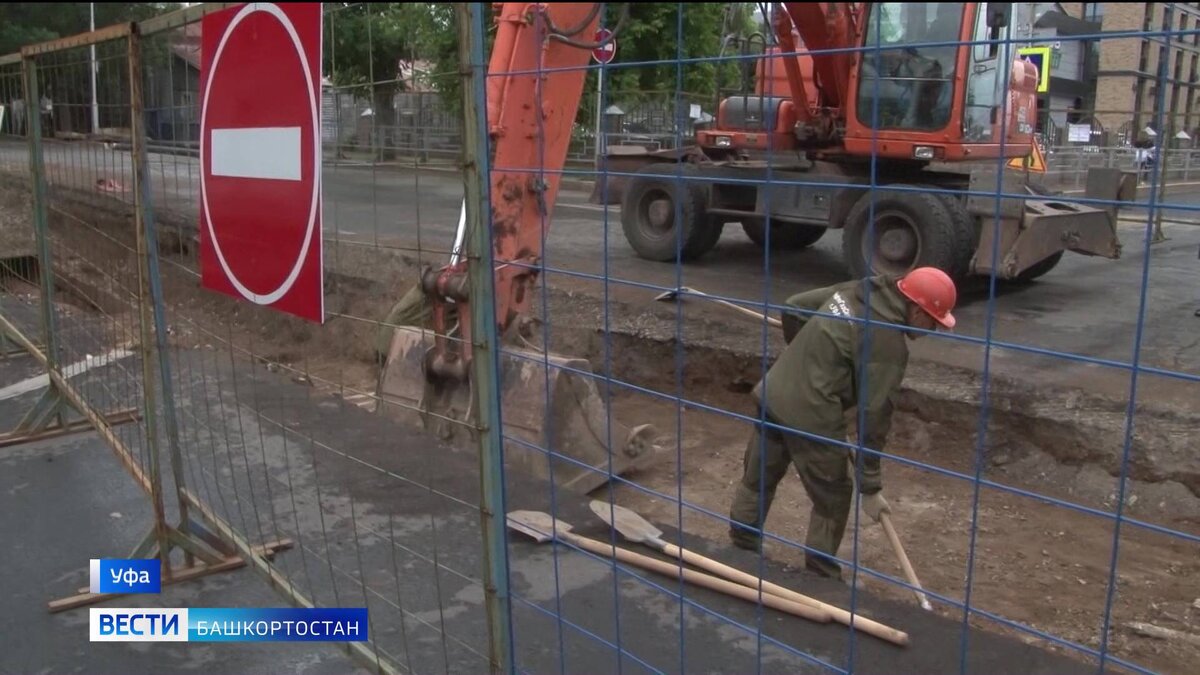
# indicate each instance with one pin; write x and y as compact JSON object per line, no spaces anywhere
{"x":476,"y":392}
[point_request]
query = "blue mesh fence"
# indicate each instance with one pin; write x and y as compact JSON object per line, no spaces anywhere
{"x":631,"y":414}
{"x":1014,"y":458}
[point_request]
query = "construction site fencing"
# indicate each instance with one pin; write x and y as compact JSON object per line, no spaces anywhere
{"x":263,"y":439}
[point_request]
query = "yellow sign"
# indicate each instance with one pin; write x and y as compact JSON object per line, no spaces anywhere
{"x":1035,"y":161}
{"x":1040,"y":58}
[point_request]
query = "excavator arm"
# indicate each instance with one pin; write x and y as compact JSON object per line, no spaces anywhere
{"x":535,"y":82}
{"x":534,"y":85}
{"x":530,"y":118}
{"x":823,"y":26}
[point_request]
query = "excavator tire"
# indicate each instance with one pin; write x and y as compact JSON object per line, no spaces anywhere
{"x":968,"y":235}
{"x":784,"y":237}
{"x":658,"y":206}
{"x":912,"y":229}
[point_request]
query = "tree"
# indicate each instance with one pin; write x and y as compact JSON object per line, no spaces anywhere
{"x":23,"y":23}
{"x":652,"y":35}
{"x":648,"y":35}
{"x":366,"y":44}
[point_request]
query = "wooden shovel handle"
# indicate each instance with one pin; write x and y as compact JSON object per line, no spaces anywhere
{"x":909,"y":572}
{"x":698,"y":578}
{"x":860,"y":622}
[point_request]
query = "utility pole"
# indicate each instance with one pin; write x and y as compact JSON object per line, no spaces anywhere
{"x":1165,"y":129}
{"x":92,"y":67}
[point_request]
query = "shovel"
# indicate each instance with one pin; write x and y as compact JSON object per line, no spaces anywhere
{"x":671,"y":295}
{"x":637,"y":529}
{"x":543,"y":528}
{"x":898,"y":548}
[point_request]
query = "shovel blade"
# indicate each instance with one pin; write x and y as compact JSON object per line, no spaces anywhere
{"x":626,"y":521}
{"x":539,"y":526}
{"x":556,"y":424}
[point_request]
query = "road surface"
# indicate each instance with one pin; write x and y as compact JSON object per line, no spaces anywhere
{"x":1086,"y":307}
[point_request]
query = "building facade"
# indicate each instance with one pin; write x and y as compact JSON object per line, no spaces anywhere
{"x":1136,"y":77}
{"x":1117,"y":85}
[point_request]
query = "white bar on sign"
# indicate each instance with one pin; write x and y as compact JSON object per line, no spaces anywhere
{"x":94,"y":575}
{"x":257,"y":152}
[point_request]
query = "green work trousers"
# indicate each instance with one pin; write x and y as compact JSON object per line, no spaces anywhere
{"x":826,"y":477}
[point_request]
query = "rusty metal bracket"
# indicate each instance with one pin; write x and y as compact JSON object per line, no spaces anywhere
{"x":48,"y":419}
{"x":215,"y":556}
{"x":10,"y":347}
{"x":73,"y":427}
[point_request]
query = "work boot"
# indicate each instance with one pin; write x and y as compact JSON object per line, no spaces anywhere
{"x":827,"y":569}
{"x":822,"y":566}
{"x":745,"y":539}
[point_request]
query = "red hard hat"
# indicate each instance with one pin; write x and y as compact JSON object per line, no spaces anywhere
{"x":933,"y":291}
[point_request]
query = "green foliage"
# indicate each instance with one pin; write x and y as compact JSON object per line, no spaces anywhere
{"x":365,"y":43}
{"x":440,"y":45}
{"x":23,"y":23}
{"x":650,"y":36}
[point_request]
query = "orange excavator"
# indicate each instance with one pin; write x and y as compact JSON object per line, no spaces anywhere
{"x":824,"y":126}
{"x":880,"y":119}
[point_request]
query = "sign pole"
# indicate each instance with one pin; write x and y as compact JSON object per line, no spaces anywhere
{"x":602,"y":55}
{"x":599,"y":114}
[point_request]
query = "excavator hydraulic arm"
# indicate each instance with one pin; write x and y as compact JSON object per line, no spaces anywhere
{"x":535,"y":82}
{"x":530,"y":118}
{"x":828,"y":30}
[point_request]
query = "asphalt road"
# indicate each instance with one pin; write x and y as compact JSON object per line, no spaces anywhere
{"x":1087,"y":307}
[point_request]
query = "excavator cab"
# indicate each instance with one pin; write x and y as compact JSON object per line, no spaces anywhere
{"x":898,"y":97}
{"x":902,"y":99}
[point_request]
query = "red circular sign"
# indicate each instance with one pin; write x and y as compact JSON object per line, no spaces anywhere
{"x":608,"y":52}
{"x":261,"y":154}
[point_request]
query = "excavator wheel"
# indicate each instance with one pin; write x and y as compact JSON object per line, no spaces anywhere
{"x":912,"y":229}
{"x":968,"y":235}
{"x":784,"y":237}
{"x":663,"y":213}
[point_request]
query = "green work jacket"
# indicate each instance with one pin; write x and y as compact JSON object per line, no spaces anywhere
{"x":834,"y":361}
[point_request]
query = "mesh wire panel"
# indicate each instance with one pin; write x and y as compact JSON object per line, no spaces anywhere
{"x":657,"y":225}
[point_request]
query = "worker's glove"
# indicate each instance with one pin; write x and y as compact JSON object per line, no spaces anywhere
{"x":874,"y":505}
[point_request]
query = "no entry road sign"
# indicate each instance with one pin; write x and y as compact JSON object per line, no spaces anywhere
{"x":260,"y":156}
{"x":607,"y":52}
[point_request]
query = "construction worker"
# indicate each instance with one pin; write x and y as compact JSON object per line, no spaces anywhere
{"x":812,"y":387}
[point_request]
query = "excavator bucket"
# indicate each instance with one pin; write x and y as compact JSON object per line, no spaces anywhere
{"x":555,"y":423}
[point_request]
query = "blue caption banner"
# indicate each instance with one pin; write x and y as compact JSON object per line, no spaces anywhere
{"x":116,"y":575}
{"x":175,"y":624}
{"x":335,"y":624}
